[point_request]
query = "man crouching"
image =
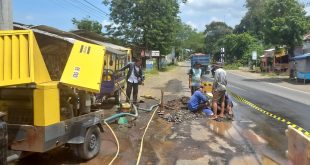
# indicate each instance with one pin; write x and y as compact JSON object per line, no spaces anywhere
{"x":197,"y":101}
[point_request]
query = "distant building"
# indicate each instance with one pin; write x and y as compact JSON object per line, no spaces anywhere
{"x":267,"y":60}
{"x":275,"y":60}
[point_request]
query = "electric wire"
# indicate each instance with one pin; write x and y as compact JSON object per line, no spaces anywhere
{"x":142,"y":140}
{"x":144,"y":133}
{"x":64,"y":7}
{"x":96,"y":7}
{"x":117,"y":143}
{"x":73,"y":8}
{"x":116,"y":139}
{"x":90,"y":7}
{"x":86,"y":9}
{"x":81,"y":8}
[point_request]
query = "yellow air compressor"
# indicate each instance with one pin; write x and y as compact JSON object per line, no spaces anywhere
{"x":46,"y":98}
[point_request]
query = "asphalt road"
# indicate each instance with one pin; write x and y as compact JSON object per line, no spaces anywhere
{"x":246,"y":140}
{"x":287,"y":103}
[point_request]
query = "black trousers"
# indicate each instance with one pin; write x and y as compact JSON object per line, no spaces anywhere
{"x":130,"y":87}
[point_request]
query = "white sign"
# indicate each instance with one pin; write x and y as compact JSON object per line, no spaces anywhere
{"x":222,"y":50}
{"x":155,"y":53}
{"x":254,"y":55}
{"x":149,"y":62}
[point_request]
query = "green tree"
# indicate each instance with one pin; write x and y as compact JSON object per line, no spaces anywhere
{"x":147,"y":24}
{"x":239,"y":47}
{"x":252,"y":22}
{"x":214,"y":33}
{"x":188,"y":38}
{"x":88,"y":25}
{"x":285,"y":23}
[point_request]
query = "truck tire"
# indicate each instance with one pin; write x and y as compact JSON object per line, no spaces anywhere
{"x":3,"y":143}
{"x":91,"y":146}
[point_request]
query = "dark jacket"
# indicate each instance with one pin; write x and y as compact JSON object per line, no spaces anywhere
{"x":131,"y":66}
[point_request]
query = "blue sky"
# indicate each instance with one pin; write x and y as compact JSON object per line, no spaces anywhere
{"x":198,"y":13}
{"x":58,"y":13}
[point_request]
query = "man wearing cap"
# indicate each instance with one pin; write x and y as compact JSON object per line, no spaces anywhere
{"x":219,"y":89}
{"x":195,"y":75}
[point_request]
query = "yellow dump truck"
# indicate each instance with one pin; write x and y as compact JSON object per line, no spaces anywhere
{"x":46,"y":99}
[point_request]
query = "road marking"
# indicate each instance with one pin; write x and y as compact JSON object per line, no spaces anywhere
{"x":271,"y":83}
{"x":278,"y":118}
{"x":229,"y":85}
{"x":289,"y":88}
{"x":242,"y":76}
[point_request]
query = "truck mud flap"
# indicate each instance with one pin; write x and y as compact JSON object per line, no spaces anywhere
{"x":3,"y":143}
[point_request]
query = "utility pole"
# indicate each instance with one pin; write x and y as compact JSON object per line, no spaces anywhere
{"x":222,"y":55}
{"x":6,"y":23}
{"x":6,"y":20}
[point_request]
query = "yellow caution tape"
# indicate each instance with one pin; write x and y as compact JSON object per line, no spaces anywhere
{"x":285,"y":121}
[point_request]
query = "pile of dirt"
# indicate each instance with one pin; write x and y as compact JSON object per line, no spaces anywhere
{"x":176,"y":111}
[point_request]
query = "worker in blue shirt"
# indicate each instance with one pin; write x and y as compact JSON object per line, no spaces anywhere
{"x":197,"y":101}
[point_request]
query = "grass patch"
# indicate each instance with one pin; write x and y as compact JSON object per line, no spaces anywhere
{"x":149,"y":73}
{"x":168,"y":68}
{"x":233,"y":66}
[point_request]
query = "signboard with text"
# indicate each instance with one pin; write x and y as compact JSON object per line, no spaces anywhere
{"x":155,"y":53}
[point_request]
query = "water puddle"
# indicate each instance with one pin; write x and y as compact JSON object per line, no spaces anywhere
{"x":199,"y":133}
{"x":254,"y":138}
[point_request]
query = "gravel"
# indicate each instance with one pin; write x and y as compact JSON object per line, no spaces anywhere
{"x":176,"y":111}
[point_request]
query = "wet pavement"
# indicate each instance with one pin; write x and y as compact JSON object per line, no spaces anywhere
{"x":287,"y":103}
{"x":251,"y":138}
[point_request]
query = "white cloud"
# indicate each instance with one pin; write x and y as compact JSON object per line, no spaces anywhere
{"x":202,"y":12}
{"x":211,"y":4}
{"x":307,"y":9}
{"x":105,"y":22}
{"x":193,"y":25}
{"x":216,"y":19}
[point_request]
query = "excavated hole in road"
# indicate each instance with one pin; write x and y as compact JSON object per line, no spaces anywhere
{"x":176,"y":111}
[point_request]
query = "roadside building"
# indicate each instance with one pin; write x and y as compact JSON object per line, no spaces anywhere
{"x":267,"y":60}
{"x":306,"y":44}
{"x":281,"y":60}
{"x":301,"y":61}
{"x":275,"y":60}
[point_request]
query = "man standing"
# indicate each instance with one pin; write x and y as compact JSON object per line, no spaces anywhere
{"x":219,"y":89}
{"x":134,"y":78}
{"x":195,"y":75}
